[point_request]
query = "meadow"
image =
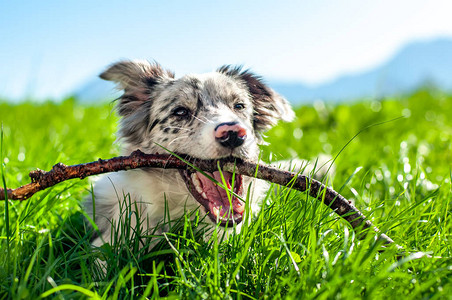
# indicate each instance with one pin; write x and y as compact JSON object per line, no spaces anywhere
{"x":394,"y":161}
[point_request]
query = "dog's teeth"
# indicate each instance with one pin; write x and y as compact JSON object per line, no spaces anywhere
{"x":240,"y":208}
{"x":216,"y":211}
{"x":196,"y":183}
{"x":204,"y":195}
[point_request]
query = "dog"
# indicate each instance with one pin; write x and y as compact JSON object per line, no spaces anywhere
{"x":216,"y":115}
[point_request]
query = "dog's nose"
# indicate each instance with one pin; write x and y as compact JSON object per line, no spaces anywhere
{"x":230,"y":135}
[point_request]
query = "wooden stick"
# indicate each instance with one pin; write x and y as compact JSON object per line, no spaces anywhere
{"x":60,"y":172}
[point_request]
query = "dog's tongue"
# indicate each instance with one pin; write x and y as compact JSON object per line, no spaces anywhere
{"x":219,"y":202}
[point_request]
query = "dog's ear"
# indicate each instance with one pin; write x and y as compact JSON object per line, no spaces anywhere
{"x":137,"y":78}
{"x":269,"y":106}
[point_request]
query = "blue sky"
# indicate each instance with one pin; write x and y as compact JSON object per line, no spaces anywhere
{"x":49,"y":48}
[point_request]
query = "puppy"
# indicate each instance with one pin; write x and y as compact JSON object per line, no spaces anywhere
{"x":208,"y":116}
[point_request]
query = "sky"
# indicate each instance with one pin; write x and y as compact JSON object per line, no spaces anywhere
{"x":50,"y":48}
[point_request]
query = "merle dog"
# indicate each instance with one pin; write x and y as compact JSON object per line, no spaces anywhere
{"x":208,"y":116}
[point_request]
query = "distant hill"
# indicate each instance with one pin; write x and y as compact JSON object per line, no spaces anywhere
{"x":416,"y":64}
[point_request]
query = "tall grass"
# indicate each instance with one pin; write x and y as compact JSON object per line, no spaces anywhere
{"x":398,"y":173}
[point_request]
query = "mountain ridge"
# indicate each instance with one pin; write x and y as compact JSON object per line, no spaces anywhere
{"x":414,"y":65}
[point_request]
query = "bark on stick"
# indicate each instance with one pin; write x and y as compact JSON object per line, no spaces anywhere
{"x":60,"y":172}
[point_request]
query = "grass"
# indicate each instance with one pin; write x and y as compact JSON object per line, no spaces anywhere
{"x":397,"y":173}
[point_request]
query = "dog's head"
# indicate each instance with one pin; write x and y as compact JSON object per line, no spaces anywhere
{"x":211,"y":115}
{"x":208,"y":116}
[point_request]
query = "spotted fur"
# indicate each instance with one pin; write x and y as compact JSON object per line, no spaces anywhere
{"x":180,"y":114}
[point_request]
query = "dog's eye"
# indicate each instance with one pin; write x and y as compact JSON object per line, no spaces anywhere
{"x":181,"y":112}
{"x":239,"y":106}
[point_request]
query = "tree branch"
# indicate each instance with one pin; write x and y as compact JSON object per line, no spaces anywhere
{"x":60,"y":172}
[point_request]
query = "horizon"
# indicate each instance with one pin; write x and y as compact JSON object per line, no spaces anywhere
{"x":53,"y":48}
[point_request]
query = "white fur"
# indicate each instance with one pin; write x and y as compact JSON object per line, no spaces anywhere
{"x":148,"y":90}
{"x":150,"y":190}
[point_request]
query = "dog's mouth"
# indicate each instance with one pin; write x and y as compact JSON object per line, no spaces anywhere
{"x":222,"y":206}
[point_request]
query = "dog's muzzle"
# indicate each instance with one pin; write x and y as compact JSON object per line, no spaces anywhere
{"x":230,"y":135}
